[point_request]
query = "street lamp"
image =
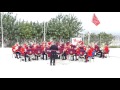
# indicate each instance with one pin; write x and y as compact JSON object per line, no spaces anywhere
{"x":1,"y":29}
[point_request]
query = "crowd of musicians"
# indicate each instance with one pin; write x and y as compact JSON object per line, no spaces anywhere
{"x":66,"y":51}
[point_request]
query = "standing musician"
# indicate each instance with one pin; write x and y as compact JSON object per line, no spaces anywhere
{"x":53,"y":49}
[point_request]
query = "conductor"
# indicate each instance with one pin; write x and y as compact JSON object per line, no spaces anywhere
{"x":53,"y":49}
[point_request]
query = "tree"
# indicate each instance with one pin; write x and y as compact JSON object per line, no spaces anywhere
{"x":106,"y":38}
{"x":8,"y":28}
{"x":64,"y":26}
{"x":99,"y":38}
{"x":61,"y":27}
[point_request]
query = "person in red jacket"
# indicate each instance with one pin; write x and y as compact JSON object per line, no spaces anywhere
{"x":93,"y":50}
{"x":106,"y":50}
{"x":16,"y":50}
{"x":64,"y":55}
{"x":88,"y":54}
{"x":43,"y":51}
{"x":23,"y":51}
{"x":77,"y":52}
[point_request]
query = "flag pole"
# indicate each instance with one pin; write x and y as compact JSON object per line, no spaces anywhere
{"x":44,"y":32}
{"x":1,"y":29}
{"x":88,"y":38}
{"x":100,"y":40}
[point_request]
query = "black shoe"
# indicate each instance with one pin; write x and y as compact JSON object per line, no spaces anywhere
{"x":105,"y":56}
{"x":76,"y":60}
{"x":93,"y":58}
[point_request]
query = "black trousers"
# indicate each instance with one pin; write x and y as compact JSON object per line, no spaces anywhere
{"x":52,"y":58}
{"x":101,"y":54}
{"x":64,"y":56}
{"x":45,"y":55}
{"x":26,"y":56}
{"x":18,"y":55}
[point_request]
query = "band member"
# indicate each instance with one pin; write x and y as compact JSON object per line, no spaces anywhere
{"x":47,"y":50}
{"x":23,"y":52}
{"x":38,"y":51}
{"x":72,"y":52}
{"x":82,"y":50}
{"x":53,"y":49}
{"x":60,"y":48}
{"x":88,"y":53}
{"x":102,"y":50}
{"x":29,"y":52}
{"x":64,"y":55}
{"x":93,"y":50}
{"x":98,"y":50}
{"x":16,"y":49}
{"x":43,"y":51}
{"x":77,"y":52}
{"x":106,"y":50}
{"x":34,"y":51}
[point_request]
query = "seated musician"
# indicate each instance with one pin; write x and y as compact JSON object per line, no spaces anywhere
{"x":23,"y":51}
{"x":38,"y":51}
{"x":97,"y":50}
{"x":102,"y":50}
{"x":16,"y":50}
{"x":29,"y":52}
{"x":106,"y":50}
{"x":60,"y":48}
{"x":93,"y":50}
{"x":59,"y":51}
{"x":46,"y":50}
{"x":88,"y":53}
{"x":34,"y":51}
{"x":43,"y":51}
{"x":82,"y":50}
{"x":77,"y":52}
{"x":72,"y":52}
{"x":64,"y":55}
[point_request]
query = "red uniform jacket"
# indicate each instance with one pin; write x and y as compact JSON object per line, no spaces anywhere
{"x":78,"y":51}
{"x":72,"y":51}
{"x":89,"y":53}
{"x":22,"y":51}
{"x":106,"y":49}
{"x":97,"y":48}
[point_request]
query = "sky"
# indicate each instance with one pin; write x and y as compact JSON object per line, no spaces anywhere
{"x":109,"y":21}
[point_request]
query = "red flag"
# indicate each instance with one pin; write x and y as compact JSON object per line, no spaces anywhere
{"x":95,"y":20}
